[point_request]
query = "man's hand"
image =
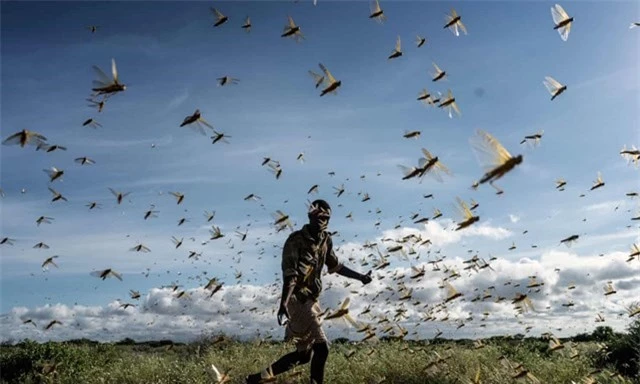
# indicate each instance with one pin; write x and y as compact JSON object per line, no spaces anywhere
{"x":283,"y":312}
{"x":366,"y":279}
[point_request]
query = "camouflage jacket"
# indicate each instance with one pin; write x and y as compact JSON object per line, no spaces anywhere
{"x":303,"y":258}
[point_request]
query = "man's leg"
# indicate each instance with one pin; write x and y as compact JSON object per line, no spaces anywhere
{"x":302,"y":355}
{"x":284,"y":364}
{"x":290,"y":360}
{"x":320,"y":354}
{"x":304,"y":326}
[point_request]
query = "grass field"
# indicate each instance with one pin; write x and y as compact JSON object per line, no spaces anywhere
{"x":397,"y":361}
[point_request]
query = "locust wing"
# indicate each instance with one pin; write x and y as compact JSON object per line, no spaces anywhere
{"x":460,"y":25}
{"x":291,"y":24}
{"x":218,"y":14}
{"x":558,"y":14}
{"x":352,"y":321}
{"x":453,"y":27}
{"x":489,"y":152}
{"x":434,"y":170}
{"x":437,"y":169}
{"x":375,"y":9}
{"x":552,"y":84}
{"x":319,"y":79}
{"x":451,"y":291}
{"x":329,"y":79}
{"x":599,"y":178}
{"x":438,"y":70}
{"x":455,"y":108}
{"x":564,"y":31}
{"x":103,"y":80}
{"x":114,"y":70}
{"x":463,"y":209}
{"x":345,"y":303}
{"x":205,"y":122}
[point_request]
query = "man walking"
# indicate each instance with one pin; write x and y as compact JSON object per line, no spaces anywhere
{"x":305,"y":253}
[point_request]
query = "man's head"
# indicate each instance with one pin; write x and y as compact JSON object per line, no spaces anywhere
{"x":319,"y":215}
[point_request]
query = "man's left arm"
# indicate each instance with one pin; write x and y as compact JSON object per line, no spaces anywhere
{"x":335,"y":266}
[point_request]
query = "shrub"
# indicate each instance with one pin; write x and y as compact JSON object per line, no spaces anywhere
{"x":624,"y":351}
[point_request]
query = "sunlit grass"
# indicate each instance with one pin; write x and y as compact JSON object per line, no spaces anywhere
{"x":397,"y":361}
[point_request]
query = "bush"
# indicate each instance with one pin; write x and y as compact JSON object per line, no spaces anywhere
{"x":126,"y":341}
{"x":624,"y":351}
{"x":603,"y":334}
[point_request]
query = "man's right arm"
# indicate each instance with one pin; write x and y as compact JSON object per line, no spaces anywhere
{"x":290,"y":275}
{"x":287,"y":290}
{"x":289,"y":267}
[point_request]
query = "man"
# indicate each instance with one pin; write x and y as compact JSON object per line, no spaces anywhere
{"x":304,"y":254}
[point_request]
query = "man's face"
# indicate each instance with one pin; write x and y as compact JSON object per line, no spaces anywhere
{"x":319,"y":218}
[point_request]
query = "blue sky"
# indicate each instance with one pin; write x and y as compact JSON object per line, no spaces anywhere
{"x":169,"y":56}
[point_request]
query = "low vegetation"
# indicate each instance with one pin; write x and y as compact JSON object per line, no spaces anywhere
{"x":603,"y":355}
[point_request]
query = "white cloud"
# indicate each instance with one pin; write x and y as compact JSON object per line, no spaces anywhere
{"x":241,"y":309}
{"x":442,"y":232}
{"x":513,"y":218}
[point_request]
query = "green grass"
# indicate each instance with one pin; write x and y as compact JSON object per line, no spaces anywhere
{"x":397,"y":361}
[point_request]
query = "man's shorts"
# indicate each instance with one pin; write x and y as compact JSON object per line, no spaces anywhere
{"x":304,"y":326}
